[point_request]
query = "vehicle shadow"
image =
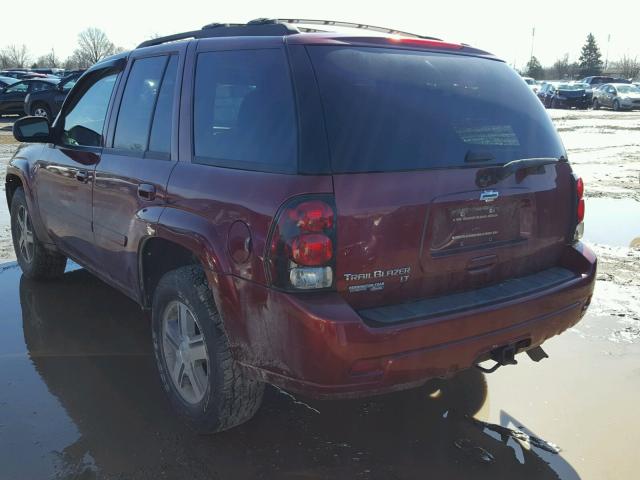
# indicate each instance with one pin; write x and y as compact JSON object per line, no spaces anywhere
{"x":91,"y":346}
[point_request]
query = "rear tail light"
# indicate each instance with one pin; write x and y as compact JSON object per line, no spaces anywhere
{"x":301,"y":253}
{"x":579,"y":209}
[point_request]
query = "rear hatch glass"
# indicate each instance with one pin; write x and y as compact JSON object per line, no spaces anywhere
{"x":410,"y":132}
{"x":392,"y":109}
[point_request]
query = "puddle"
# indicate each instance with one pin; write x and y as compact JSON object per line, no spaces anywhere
{"x":614,"y":222}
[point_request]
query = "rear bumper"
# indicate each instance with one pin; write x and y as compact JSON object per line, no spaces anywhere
{"x":319,"y":346}
{"x":582,"y":102}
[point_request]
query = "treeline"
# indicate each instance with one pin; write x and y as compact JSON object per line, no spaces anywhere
{"x":589,"y":63}
{"x":93,"y":46}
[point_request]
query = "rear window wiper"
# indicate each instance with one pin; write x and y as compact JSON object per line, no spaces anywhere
{"x":493,"y":175}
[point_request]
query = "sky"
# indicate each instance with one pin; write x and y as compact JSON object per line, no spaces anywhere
{"x":502,"y":27}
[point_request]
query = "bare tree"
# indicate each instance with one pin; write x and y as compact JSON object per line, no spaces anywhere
{"x":626,"y":67}
{"x":93,"y":46}
{"x":50,"y":60}
{"x":561,"y":67}
{"x":14,"y":56}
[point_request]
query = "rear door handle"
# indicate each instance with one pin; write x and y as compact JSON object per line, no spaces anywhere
{"x":82,"y":176}
{"x":146,"y":191}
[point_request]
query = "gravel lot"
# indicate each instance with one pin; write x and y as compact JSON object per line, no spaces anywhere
{"x":79,"y":396}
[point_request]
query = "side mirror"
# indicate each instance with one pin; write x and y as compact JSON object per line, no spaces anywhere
{"x":32,"y":129}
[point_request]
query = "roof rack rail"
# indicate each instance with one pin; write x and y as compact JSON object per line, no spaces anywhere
{"x":258,"y":27}
{"x":337,"y":23}
{"x":269,"y":27}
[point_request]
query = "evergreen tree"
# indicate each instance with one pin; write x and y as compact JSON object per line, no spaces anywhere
{"x":534,"y":68}
{"x":590,"y":58}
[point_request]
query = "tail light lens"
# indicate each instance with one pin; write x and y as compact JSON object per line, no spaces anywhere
{"x":579,"y":208}
{"x":301,"y":243}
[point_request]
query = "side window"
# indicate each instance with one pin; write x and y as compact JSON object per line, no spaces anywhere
{"x":138,"y":102}
{"x":83,"y":124}
{"x":17,"y":88}
{"x":39,"y":86}
{"x":244,"y":113}
{"x":160,"y":139}
{"x":68,"y":85}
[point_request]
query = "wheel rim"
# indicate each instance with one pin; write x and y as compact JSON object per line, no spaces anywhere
{"x":616,"y":106}
{"x":185,"y":352}
{"x":26,"y":241}
{"x":40,"y":112}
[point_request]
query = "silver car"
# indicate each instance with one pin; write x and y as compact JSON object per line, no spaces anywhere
{"x":619,"y":96}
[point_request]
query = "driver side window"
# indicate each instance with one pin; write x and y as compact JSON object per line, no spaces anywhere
{"x":83,"y":124}
{"x":17,"y":88}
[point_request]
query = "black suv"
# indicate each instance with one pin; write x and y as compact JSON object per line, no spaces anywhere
{"x":47,"y":103}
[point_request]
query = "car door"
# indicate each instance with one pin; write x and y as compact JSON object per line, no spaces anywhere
{"x":609,"y":93}
{"x":12,"y":99}
{"x":64,"y":177}
{"x":131,"y":177}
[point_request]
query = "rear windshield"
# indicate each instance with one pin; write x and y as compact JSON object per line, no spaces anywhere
{"x":392,"y":109}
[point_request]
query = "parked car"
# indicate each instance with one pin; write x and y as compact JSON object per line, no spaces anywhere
{"x":6,"y":81}
{"x":565,"y":95}
{"x":58,"y":72}
{"x":12,"y":97}
{"x":599,"y":79}
{"x":533,"y":85}
{"x":339,"y":217}
{"x":47,"y":103}
{"x":20,"y":75}
{"x":618,"y":96}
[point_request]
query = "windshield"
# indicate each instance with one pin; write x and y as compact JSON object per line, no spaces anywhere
{"x":568,"y":86}
{"x":628,"y":89}
{"x":391,"y":109}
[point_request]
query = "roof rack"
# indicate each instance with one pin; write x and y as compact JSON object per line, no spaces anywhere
{"x":337,"y":23}
{"x":269,"y":27}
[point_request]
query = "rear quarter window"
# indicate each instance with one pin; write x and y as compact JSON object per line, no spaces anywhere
{"x":244,"y":115}
{"x":393,"y":109}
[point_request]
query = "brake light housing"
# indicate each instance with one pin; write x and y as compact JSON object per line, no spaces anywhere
{"x":301,"y":244}
{"x":580,"y":208}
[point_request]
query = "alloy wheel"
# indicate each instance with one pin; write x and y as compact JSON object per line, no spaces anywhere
{"x":40,"y":112}
{"x":185,"y":352}
{"x":26,"y":241}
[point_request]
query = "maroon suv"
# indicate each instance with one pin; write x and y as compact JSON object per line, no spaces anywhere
{"x":334,"y":214}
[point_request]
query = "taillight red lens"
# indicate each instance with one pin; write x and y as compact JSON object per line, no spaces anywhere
{"x":579,"y":188}
{"x":312,"y":216}
{"x":311,"y":249}
{"x":301,"y":253}
{"x":580,"y":210}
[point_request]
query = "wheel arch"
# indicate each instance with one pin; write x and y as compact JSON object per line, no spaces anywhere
{"x":178,"y":239}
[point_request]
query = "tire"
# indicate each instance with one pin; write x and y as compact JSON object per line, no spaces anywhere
{"x":554,"y":103}
{"x":41,"y":110}
{"x":204,"y":385}
{"x":36,"y":261}
{"x":596,"y":104}
{"x":616,"y":105}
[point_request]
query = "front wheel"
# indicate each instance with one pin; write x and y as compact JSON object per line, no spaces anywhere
{"x":596,"y":104}
{"x":41,"y":111}
{"x":35,"y":260}
{"x":616,"y":105}
{"x":203,"y":382}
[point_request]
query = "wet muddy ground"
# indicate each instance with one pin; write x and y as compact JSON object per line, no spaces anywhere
{"x":80,"y":398}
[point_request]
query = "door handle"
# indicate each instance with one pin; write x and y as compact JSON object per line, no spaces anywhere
{"x":146,"y":191}
{"x":82,"y":176}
